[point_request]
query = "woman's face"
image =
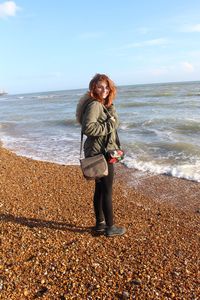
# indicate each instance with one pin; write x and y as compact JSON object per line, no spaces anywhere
{"x":102,"y":89}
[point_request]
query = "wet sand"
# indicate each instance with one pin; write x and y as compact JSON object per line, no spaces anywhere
{"x":48,"y":250}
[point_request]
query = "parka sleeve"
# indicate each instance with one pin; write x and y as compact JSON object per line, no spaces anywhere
{"x":91,"y":123}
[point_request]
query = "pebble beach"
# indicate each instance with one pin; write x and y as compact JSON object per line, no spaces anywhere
{"x":49,"y":251}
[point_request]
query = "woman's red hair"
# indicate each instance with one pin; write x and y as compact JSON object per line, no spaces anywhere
{"x":93,"y":84}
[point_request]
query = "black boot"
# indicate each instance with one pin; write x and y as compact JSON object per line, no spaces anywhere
{"x":100,"y":226}
{"x":114,"y":230}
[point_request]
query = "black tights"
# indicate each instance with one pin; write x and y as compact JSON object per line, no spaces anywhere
{"x":103,"y":197}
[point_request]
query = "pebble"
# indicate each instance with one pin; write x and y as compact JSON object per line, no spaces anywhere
{"x":26,"y":292}
{"x":1,"y":284}
{"x":137,"y":282}
{"x":125,"y":295}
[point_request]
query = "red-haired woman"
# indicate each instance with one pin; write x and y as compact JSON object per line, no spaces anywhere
{"x":98,"y":126}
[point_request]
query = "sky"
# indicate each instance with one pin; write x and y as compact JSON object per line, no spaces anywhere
{"x":60,"y":45}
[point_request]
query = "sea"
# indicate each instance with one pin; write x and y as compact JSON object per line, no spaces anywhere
{"x":159,"y":127}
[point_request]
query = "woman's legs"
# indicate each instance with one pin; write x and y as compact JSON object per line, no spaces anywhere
{"x":103,"y":198}
{"x":103,"y":205}
{"x":98,"y":210}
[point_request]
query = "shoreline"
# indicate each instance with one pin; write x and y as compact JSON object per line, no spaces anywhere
{"x":181,"y":193}
{"x":187,"y":192}
{"x":49,"y":250}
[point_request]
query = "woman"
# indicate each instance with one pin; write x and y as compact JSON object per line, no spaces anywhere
{"x":100,"y":128}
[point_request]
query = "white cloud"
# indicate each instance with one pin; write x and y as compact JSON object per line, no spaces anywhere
{"x":188,"y":67}
{"x":153,"y":42}
{"x":8,"y":9}
{"x":192,"y":28}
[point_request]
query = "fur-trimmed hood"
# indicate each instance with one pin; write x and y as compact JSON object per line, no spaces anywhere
{"x":83,"y":102}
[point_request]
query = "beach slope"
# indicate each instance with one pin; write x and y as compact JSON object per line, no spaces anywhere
{"x":49,"y":251}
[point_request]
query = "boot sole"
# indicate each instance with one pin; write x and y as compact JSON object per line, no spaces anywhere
{"x":115,"y":234}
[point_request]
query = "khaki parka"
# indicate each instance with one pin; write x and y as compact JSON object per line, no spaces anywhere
{"x":97,"y":125}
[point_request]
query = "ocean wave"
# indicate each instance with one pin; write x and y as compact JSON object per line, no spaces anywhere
{"x":174,"y":124}
{"x":135,"y":93}
{"x":159,"y":95}
{"x":166,"y":150}
{"x":185,"y":150}
{"x":188,"y":126}
{"x":143,"y":104}
{"x":45,"y":97}
{"x":167,"y":104}
{"x":59,"y":150}
{"x":160,"y":121}
{"x":185,"y":171}
{"x":129,"y":125}
{"x":60,"y":122}
{"x":193,"y":94}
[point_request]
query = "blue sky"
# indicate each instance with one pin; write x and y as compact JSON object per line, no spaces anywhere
{"x":56,"y":45}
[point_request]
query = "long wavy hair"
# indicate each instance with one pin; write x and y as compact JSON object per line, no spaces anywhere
{"x":92,"y":88}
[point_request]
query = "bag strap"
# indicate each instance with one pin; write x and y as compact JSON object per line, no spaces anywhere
{"x":117,"y":137}
{"x":81,"y":146}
